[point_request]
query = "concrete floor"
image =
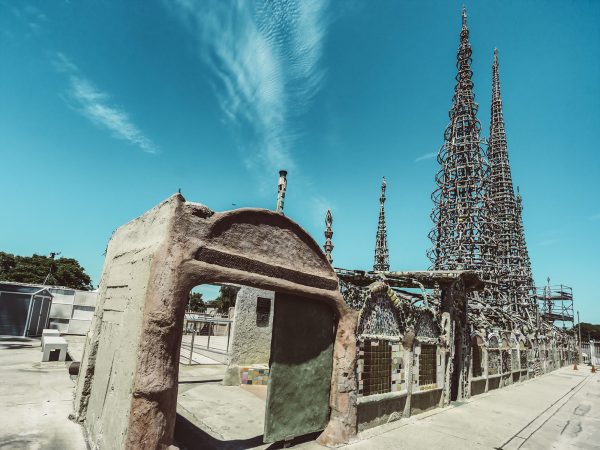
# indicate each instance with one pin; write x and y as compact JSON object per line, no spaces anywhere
{"x":36,"y":400}
{"x":558,"y":410}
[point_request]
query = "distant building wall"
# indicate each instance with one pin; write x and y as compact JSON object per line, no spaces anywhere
{"x":72,"y":311}
{"x":252,"y":331}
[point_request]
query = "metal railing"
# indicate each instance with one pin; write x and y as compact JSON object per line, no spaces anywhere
{"x":205,"y":338}
{"x":591,"y":352}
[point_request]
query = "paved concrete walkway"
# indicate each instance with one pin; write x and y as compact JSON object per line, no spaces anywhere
{"x":35,"y":400}
{"x":557,"y":410}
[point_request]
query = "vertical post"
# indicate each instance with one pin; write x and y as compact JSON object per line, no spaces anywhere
{"x":579,"y":326}
{"x":209,"y":331}
{"x":228,"y":335}
{"x":192,"y":344}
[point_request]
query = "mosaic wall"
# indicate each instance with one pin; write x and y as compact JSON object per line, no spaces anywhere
{"x":477,"y":358}
{"x":428,"y":366}
{"x":254,"y":376}
{"x":425,"y":325}
{"x":354,"y":296}
{"x":515,"y":360}
{"x":378,"y":316}
{"x":493,"y":361}
{"x":523,"y":356}
{"x":506,"y":365}
{"x":380,"y":368}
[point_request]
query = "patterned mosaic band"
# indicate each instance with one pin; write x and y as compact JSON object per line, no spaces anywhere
{"x":254,"y":376}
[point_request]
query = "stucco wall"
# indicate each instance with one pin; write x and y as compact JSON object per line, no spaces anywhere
{"x":250,"y":343}
{"x":127,"y":386}
{"x":114,"y":339}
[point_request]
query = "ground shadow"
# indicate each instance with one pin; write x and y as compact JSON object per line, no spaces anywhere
{"x":189,"y":437}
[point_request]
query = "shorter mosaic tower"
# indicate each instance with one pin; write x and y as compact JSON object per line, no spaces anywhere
{"x":502,"y":193}
{"x":328,"y":246}
{"x":382,"y":259}
{"x":523,"y":274}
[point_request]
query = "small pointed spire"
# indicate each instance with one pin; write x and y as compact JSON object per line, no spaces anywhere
{"x":464,"y":17}
{"x":281,"y":188}
{"x":328,"y":246}
{"x":382,"y":261}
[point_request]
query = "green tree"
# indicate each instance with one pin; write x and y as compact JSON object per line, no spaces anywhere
{"x":34,"y":269}
{"x":226,"y":299}
{"x":196,"y":304}
{"x":588,"y":331}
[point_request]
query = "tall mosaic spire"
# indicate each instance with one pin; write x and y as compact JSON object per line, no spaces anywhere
{"x":382,"y":259}
{"x":328,"y":246}
{"x":502,"y":194}
{"x":463,"y":230}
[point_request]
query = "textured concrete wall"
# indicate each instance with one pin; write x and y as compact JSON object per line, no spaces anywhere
{"x":110,"y":356}
{"x":127,"y":388}
{"x":250,"y":343}
{"x":387,"y":408}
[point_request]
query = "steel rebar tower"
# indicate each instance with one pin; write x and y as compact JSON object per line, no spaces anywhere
{"x":382,"y":260}
{"x":510,"y":237}
{"x":463,"y":233}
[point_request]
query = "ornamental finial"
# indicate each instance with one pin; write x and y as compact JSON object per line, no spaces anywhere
{"x":328,"y":246}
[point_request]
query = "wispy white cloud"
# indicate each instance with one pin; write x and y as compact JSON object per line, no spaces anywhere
{"x":548,"y":242}
{"x":265,"y":61}
{"x":595,"y":217}
{"x":426,"y":156}
{"x":30,"y":16}
{"x":95,"y":105}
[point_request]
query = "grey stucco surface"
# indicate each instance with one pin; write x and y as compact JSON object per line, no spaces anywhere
{"x":250,"y":343}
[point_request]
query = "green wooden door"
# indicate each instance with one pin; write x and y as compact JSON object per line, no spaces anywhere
{"x":301,"y":364}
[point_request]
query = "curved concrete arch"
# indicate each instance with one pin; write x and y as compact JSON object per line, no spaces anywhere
{"x":126,"y":393}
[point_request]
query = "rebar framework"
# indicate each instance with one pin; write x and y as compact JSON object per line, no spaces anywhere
{"x":523,"y":274}
{"x":556,"y":304}
{"x":328,"y":246}
{"x":382,"y":260}
{"x":515,"y":269}
{"x":464,"y":227}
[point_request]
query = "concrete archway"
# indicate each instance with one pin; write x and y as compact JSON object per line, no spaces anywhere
{"x":127,"y":388}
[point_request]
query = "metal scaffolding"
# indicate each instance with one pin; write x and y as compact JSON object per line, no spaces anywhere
{"x":556,"y":304}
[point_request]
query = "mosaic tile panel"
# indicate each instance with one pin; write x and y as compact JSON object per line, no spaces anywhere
{"x":379,"y":316}
{"x":523,"y":359}
{"x":515,"y":360}
{"x":506,"y":366}
{"x":493,"y":361}
{"x":427,"y":365}
{"x":254,"y":376}
{"x":398,"y":381}
{"x":380,"y":367}
{"x":376,"y":375}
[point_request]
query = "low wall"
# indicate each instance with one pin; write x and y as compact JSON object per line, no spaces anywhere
{"x":380,"y":409}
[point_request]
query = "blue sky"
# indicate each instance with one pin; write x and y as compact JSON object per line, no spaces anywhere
{"x":107,"y":108}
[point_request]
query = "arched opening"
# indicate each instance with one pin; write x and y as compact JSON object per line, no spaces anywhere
{"x":152,"y":265}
